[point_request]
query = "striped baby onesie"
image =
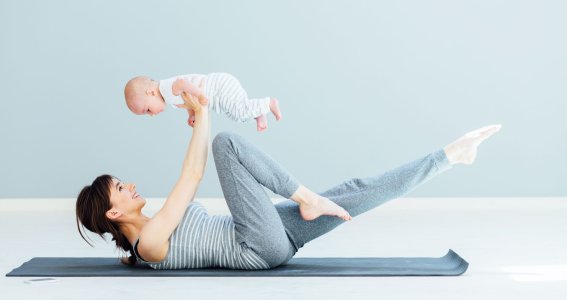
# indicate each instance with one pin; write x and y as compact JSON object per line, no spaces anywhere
{"x":205,"y":241}
{"x":225,"y":95}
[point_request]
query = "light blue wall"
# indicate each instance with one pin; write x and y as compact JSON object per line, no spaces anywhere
{"x":364,"y":86}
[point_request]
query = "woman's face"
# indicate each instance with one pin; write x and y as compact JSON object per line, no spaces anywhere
{"x":123,"y":197}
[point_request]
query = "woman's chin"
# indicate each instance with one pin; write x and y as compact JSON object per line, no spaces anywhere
{"x":141,"y":201}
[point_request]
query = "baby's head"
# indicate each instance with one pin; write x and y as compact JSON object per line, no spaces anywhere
{"x":143,"y":96}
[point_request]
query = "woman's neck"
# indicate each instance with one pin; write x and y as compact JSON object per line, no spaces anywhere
{"x":132,"y":228}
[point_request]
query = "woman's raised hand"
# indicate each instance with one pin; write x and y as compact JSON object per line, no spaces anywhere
{"x":192,"y":102}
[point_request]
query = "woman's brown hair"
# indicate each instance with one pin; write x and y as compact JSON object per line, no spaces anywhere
{"x":92,"y":204}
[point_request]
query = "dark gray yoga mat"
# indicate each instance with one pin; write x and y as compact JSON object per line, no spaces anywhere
{"x":449,"y":265}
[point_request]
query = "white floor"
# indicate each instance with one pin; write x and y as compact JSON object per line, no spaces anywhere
{"x":516,"y":247}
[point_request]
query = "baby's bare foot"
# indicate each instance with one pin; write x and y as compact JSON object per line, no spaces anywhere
{"x":275,"y":108}
{"x":321,"y":206}
{"x":464,"y":149}
{"x":261,"y":123}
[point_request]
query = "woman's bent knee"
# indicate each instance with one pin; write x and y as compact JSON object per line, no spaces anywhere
{"x":222,"y":140}
{"x":278,"y":256}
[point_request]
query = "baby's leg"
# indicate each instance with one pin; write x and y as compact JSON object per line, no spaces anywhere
{"x":275,"y":108}
{"x":261,"y":123}
{"x":231,"y":99}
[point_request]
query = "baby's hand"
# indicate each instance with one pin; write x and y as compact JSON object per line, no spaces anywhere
{"x":182,"y":85}
{"x":179,"y":86}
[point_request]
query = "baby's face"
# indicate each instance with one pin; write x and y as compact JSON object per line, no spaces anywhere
{"x":147,"y":105}
{"x":143,"y":96}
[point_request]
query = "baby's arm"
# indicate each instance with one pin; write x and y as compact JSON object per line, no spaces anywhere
{"x":182,"y":85}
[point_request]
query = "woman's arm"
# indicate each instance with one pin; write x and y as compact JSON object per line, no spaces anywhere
{"x":154,"y":238}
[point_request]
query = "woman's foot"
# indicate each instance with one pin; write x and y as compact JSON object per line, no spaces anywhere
{"x":275,"y":108}
{"x":261,"y":123}
{"x":312,"y":205}
{"x":464,"y":149}
{"x":321,"y":206}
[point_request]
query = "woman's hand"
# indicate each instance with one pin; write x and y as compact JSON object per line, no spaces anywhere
{"x":187,"y":90}
{"x":191,"y":103}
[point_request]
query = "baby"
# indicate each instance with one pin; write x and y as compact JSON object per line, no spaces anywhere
{"x":223,"y":94}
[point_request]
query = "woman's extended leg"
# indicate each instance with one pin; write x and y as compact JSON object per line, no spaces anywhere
{"x":359,"y":195}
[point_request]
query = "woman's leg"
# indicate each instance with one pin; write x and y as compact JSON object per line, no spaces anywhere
{"x":243,"y":169}
{"x":359,"y":195}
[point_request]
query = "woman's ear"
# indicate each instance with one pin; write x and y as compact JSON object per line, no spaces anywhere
{"x":113,"y":214}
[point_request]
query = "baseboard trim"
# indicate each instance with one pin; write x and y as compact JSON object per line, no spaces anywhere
{"x":218,"y":205}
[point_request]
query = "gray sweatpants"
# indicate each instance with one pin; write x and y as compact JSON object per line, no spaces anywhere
{"x":276,"y":232}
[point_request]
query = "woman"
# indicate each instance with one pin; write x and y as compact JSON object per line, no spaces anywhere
{"x":259,"y":234}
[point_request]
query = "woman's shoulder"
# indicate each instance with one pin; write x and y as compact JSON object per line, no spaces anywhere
{"x":155,"y":253}
{"x":150,"y":255}
{"x":195,"y":207}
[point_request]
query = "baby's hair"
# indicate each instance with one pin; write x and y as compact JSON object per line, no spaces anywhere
{"x":135,"y":87}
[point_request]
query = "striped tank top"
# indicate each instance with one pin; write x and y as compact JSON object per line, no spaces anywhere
{"x":205,"y":241}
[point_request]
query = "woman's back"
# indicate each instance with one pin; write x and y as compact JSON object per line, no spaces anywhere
{"x":205,"y":241}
